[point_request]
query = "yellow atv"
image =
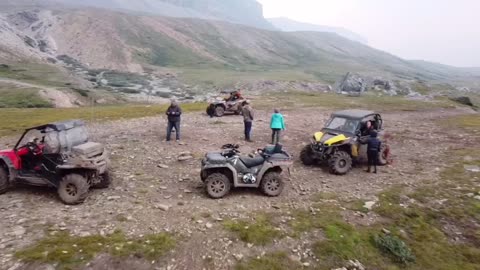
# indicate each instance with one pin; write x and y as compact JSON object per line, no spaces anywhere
{"x":343,"y":141}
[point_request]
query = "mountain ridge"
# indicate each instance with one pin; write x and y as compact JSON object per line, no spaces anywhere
{"x":116,"y":40}
{"x":246,"y":12}
{"x":289,"y":25}
{"x":140,"y":53}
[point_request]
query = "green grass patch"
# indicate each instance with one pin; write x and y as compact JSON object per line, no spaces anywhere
{"x":421,"y":87}
{"x":259,"y":232}
{"x":356,"y":205}
{"x":342,"y":242}
{"x":70,"y":252}
{"x":424,"y":223}
{"x":47,"y":75}
{"x":346,"y":242}
{"x":367,"y":101}
{"x":305,"y":221}
{"x":16,"y":120}
{"x":14,"y":97}
{"x":470,"y":122}
{"x":272,"y":261}
{"x":226,"y":77}
{"x":421,"y":235}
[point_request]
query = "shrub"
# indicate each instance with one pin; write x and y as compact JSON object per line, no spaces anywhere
{"x":394,"y":247}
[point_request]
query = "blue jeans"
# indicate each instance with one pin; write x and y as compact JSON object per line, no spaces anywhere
{"x":173,"y":125}
{"x":248,"y":130}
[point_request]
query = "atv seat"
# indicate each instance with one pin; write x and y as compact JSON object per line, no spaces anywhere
{"x":216,"y":158}
{"x":279,"y":156}
{"x":252,"y":162}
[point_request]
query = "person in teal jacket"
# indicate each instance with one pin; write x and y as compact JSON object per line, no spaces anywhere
{"x":277,"y":124}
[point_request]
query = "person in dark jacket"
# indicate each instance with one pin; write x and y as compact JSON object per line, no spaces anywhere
{"x":247,"y":113}
{"x":173,"y":113}
{"x":373,"y":150}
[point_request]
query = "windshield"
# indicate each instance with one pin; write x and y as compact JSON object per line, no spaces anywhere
{"x":30,"y":136}
{"x":342,"y":124}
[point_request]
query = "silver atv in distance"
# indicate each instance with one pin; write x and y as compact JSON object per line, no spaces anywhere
{"x":227,"y":168}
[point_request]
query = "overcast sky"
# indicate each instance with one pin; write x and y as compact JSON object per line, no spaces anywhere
{"x":443,"y":31}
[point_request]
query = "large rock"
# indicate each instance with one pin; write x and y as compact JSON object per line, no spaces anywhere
{"x":463,"y":100}
{"x":352,"y":83}
{"x":382,"y":83}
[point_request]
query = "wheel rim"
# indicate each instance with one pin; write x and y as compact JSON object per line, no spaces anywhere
{"x":217,"y":187}
{"x":273,"y":185}
{"x":71,"y":190}
{"x":342,"y":163}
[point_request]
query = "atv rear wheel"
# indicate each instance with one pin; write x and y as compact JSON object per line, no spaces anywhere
{"x":73,"y":189}
{"x":272,"y":184}
{"x":307,"y":155}
{"x":217,"y":185}
{"x":219,"y":111}
{"x":4,"y":183}
{"x":105,"y":180}
{"x":340,"y":163}
{"x":383,"y":155}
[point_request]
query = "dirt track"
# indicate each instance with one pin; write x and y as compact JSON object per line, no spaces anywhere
{"x":141,"y":187}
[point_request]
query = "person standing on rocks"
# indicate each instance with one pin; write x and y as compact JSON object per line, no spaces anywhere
{"x":173,"y":113}
{"x":373,"y":150}
{"x":248,"y":116}
{"x":277,"y":124}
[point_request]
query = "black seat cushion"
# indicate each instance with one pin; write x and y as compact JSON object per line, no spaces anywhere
{"x":252,"y":162}
{"x":278,"y":156}
{"x":216,"y":158}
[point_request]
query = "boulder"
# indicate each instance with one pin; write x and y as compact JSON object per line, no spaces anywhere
{"x":386,"y":85}
{"x":472,"y":168}
{"x":30,"y":41}
{"x":463,"y":100}
{"x":352,"y":83}
{"x":369,"y":205}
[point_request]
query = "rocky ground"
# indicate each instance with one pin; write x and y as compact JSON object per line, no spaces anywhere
{"x":154,"y":192}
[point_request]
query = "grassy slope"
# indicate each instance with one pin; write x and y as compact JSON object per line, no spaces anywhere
{"x":12,"y":97}
{"x":189,"y":44}
{"x":35,"y":73}
{"x":15,"y":120}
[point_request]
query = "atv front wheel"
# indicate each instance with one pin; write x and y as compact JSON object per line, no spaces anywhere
{"x":307,"y":155}
{"x":383,"y":155}
{"x":73,"y":189}
{"x":340,"y":163}
{"x":219,"y":111}
{"x":217,"y":185}
{"x":105,"y":181}
{"x":272,"y":184}
{"x":4,"y":183}
{"x":210,"y":110}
